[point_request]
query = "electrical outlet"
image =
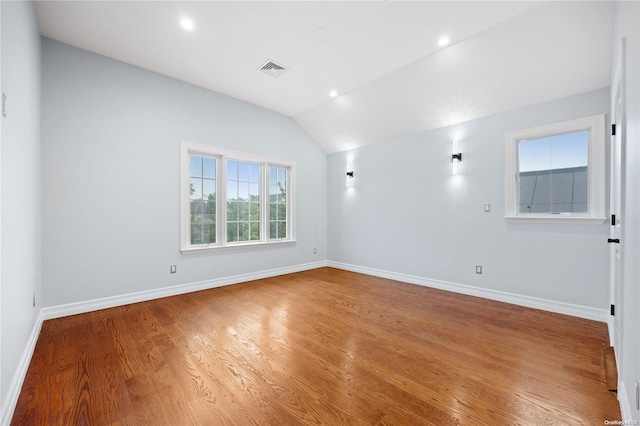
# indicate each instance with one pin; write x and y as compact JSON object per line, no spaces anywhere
{"x":34,"y":300}
{"x":487,"y":207}
{"x":173,"y":269}
{"x":315,"y":250}
{"x":478,"y":269}
{"x":637,"y":395}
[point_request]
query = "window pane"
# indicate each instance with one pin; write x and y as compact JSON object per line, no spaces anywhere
{"x":254,"y":212}
{"x":282,"y":176}
{"x":254,"y":173}
{"x":243,"y":191}
{"x":232,"y":170}
{"x":196,"y":234}
{"x":207,"y":238}
{"x":209,"y":168}
{"x":211,"y":231}
{"x":282,"y":229}
{"x":232,"y":232}
{"x":243,"y":188}
{"x":232,"y":190}
{"x":195,"y":166}
{"x":254,"y":192}
{"x":202,"y":195}
{"x":208,"y":189}
{"x":195,"y":189}
{"x":243,"y":231}
{"x":277,"y":202}
{"x":255,"y":231}
{"x":282,"y":212}
{"x":243,"y":172}
{"x":209,"y":208}
{"x":196,"y":210}
{"x":232,"y":211}
{"x":553,"y":174}
{"x":243,"y":211}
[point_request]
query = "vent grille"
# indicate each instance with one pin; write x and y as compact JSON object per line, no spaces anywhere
{"x":273,"y":69}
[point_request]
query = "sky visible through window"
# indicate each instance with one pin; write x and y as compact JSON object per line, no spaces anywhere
{"x":554,"y":152}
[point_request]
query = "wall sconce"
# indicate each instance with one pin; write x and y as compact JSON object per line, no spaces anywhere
{"x":349,"y":178}
{"x":350,"y":174}
{"x":456,"y":158}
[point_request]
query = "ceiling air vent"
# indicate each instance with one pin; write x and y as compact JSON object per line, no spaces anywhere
{"x":273,"y":69}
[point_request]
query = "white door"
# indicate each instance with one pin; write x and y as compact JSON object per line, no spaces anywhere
{"x":616,"y":202}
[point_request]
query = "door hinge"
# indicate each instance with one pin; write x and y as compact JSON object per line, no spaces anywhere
{"x":613,"y":240}
{"x":613,"y":130}
{"x":613,"y":310}
{"x":613,"y":220}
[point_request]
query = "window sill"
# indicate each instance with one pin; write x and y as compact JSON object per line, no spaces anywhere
{"x":212,"y":248}
{"x":556,"y":218}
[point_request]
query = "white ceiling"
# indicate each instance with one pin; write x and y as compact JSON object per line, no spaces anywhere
{"x":381,"y":57}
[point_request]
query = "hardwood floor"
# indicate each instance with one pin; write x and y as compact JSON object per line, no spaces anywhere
{"x":318,"y":347}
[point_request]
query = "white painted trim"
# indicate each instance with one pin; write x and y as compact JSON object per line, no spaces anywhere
{"x":595,"y":125}
{"x":501,"y":296}
{"x":625,"y":405}
{"x":222,"y":155}
{"x":555,"y":218}
{"x":125,"y":299}
{"x":15,"y":387}
{"x":610,"y":327}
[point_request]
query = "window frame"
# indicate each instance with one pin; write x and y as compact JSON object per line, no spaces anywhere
{"x":222,"y":155}
{"x":596,"y":160}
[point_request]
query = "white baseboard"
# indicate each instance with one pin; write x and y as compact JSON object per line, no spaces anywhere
{"x":610,"y":327}
{"x":625,"y":404}
{"x":125,"y":299}
{"x":18,"y":378}
{"x":501,"y":296}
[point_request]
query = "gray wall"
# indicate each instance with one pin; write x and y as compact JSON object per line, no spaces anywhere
{"x":111,"y":137}
{"x":406,"y":213}
{"x":626,"y":15}
{"x":21,"y":243}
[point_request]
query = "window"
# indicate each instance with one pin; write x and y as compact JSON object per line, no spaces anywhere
{"x":555,"y":173}
{"x":233,"y":199}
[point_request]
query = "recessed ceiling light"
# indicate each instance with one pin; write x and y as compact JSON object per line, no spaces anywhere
{"x":187,"y":24}
{"x":333,"y":93}
{"x":320,"y":32}
{"x":443,"y":41}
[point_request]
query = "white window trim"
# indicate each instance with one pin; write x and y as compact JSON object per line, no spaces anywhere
{"x":595,"y":126}
{"x":187,"y":148}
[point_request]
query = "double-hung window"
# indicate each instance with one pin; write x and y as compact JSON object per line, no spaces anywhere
{"x":234,"y":199}
{"x":556,"y":173}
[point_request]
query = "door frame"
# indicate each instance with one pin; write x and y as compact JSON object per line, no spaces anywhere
{"x":616,"y":196}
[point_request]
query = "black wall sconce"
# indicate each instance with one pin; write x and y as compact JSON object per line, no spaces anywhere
{"x":350,"y":174}
{"x":456,"y":158}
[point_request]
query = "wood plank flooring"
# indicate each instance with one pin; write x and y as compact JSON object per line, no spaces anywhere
{"x":319,"y":347}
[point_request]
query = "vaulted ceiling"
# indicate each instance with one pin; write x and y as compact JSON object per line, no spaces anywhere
{"x":382,"y":59}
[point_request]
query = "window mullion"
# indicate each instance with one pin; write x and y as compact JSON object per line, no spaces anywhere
{"x":288,"y":208}
{"x":221,"y":202}
{"x":264,"y":202}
